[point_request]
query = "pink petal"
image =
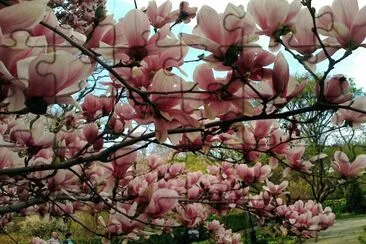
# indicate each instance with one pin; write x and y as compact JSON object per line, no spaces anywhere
{"x":294,"y":8}
{"x":21,"y":16}
{"x":209,"y":23}
{"x":48,"y":73}
{"x":358,"y":30}
{"x":276,"y":12}
{"x":257,"y":9}
{"x":201,"y":43}
{"x":136,"y":28}
{"x":345,"y":11}
{"x":204,"y":76}
{"x":281,"y":74}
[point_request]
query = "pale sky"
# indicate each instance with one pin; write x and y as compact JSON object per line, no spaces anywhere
{"x":352,"y":67}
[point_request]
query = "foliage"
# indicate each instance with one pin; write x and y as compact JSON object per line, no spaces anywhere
{"x":35,"y":226}
{"x":338,"y":205}
{"x":356,"y":202}
{"x":362,"y":237}
{"x":194,"y":162}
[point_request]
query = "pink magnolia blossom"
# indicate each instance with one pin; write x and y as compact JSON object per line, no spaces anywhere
{"x":142,"y":76}
{"x":63,"y":179}
{"x":262,"y":128}
{"x":40,"y":85}
{"x":345,"y":168}
{"x":335,"y":90}
{"x":294,"y":156}
{"x":194,"y":192}
{"x":353,"y":118}
{"x":192,"y":214}
{"x":326,"y":220}
{"x":137,"y":186}
{"x":214,"y":225}
{"x":37,"y":240}
{"x":303,"y":39}
{"x":220,"y":34}
{"x":55,"y":40}
{"x":343,"y":21}
{"x":254,"y":60}
{"x":61,"y":209}
{"x":278,"y":83}
{"x":17,"y":46}
{"x":8,"y":159}
{"x":22,"y":16}
{"x":184,"y":13}
{"x":154,"y":161}
{"x":130,"y":41}
{"x":91,"y":107}
{"x":193,"y":178}
{"x":273,"y":16}
{"x":90,"y":132}
{"x":275,"y":189}
{"x":124,"y":221}
{"x":159,"y":16}
{"x":216,"y":102}
{"x":36,"y":138}
{"x":253,"y":174}
{"x":162,"y":200}
{"x":122,"y":160}
{"x":168,"y":101}
{"x":91,"y":135}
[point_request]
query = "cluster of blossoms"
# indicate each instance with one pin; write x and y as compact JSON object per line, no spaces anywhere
{"x":222,"y":235}
{"x":82,"y":155}
{"x":80,"y":15}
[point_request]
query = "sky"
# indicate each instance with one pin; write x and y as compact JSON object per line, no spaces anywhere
{"x":352,"y":67}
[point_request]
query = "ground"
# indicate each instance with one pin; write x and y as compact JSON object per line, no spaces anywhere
{"x":344,"y":231}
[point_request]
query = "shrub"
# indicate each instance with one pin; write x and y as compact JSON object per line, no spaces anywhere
{"x":42,"y":227}
{"x":355,"y":199}
{"x":362,"y":237}
{"x":338,"y":205}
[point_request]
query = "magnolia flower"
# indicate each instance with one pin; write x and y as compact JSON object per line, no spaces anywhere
{"x":130,"y":41}
{"x":37,"y":240}
{"x":214,"y":225}
{"x":253,"y":174}
{"x":294,"y":156}
{"x":162,"y":200}
{"x":8,"y":158}
{"x":64,"y":179}
{"x":192,"y":214}
{"x":345,"y":168}
{"x":353,"y":118}
{"x":274,"y":16}
{"x":22,"y":16}
{"x":343,"y":21}
{"x":124,"y":220}
{"x":159,"y":16}
{"x":303,"y":38}
{"x":122,"y":160}
{"x":221,"y":34}
{"x":154,"y":161}
{"x":184,"y":13}
{"x":335,"y":90}
{"x":51,"y":79}
{"x":275,"y":189}
{"x":216,"y":102}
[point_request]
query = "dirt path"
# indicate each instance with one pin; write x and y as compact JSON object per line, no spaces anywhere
{"x":344,"y":231}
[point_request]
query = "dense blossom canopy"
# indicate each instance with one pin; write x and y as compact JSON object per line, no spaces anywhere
{"x":71,"y":135}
